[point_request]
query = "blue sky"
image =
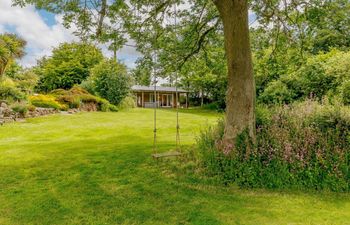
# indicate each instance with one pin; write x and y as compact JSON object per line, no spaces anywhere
{"x":43,"y":31}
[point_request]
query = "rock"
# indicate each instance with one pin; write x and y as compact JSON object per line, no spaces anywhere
{"x":3,"y":105}
{"x":8,"y":119}
{"x":8,"y":115}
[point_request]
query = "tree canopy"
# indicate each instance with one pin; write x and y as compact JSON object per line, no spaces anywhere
{"x":11,"y":48}
{"x":69,"y":64}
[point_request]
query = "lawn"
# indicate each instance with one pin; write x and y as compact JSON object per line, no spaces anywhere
{"x":96,"y":168}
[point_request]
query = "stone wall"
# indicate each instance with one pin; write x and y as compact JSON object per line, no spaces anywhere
{"x":8,"y":115}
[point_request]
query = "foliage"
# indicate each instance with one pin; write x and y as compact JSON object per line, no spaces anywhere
{"x":305,"y":145}
{"x":9,"y":91}
{"x":142,"y":72}
{"x":345,"y":92}
{"x":127,"y":103}
{"x":111,"y":81}
{"x":46,"y":101}
{"x":88,"y":85}
{"x":79,"y":98}
{"x":69,"y":64}
{"x":315,"y":27}
{"x":319,"y":76}
{"x":11,"y":48}
{"x":17,"y":83}
{"x":25,"y":79}
{"x":21,"y":108}
{"x":276,"y":92}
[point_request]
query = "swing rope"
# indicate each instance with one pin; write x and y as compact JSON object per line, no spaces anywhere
{"x":178,"y":144}
{"x":155,"y":107}
{"x":176,"y":90}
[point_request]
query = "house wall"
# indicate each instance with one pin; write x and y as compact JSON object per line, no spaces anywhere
{"x":146,"y":97}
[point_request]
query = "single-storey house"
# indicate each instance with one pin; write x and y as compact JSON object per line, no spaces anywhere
{"x":165,"y":96}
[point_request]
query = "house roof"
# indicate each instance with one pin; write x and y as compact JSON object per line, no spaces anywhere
{"x":158,"y":88}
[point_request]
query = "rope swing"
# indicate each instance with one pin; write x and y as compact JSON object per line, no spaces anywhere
{"x":177,"y":151}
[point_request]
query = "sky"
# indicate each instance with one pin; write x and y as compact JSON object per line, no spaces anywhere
{"x":43,"y":31}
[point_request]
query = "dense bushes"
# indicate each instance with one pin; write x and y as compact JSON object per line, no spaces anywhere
{"x":111,"y":81}
{"x":75,"y":98}
{"x":46,"y":101}
{"x":20,"y":108}
{"x":276,"y":92}
{"x":298,"y":146}
{"x":69,"y":65}
{"x":24,"y":79}
{"x":56,"y":79}
{"x":127,"y":103}
{"x":325,"y":74}
{"x":345,"y":92}
{"x":16,"y":84}
{"x":9,"y":92}
{"x":79,"y":98}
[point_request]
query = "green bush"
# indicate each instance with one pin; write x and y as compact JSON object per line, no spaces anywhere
{"x":127,"y":103}
{"x":345,"y":92}
{"x":69,"y":65}
{"x":111,"y":81}
{"x":77,"y":97}
{"x":46,"y":101}
{"x":316,"y":76}
{"x":263,"y":115}
{"x":305,"y":145}
{"x":9,"y":91}
{"x":276,"y":93}
{"x":105,"y":106}
{"x":20,"y":108}
{"x":88,"y":85}
{"x":212,"y":106}
{"x":24,"y":79}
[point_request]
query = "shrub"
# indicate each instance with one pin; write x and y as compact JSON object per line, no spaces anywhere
{"x":88,"y":85}
{"x":276,"y":93}
{"x":111,"y":81}
{"x":24,"y":79}
{"x":212,"y":106}
{"x":9,"y":91}
{"x":31,"y":108}
{"x":345,"y":92}
{"x":77,"y":97}
{"x":20,"y":108}
{"x":263,"y":115}
{"x":46,"y":101}
{"x":305,"y":145}
{"x":127,"y":103}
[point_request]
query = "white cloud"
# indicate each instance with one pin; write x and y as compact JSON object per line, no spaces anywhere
{"x":42,"y":38}
{"x":27,"y":23}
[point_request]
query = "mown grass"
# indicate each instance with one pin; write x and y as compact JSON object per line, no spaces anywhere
{"x":96,"y":168}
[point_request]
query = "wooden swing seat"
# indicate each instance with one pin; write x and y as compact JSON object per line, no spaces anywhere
{"x":166,"y":154}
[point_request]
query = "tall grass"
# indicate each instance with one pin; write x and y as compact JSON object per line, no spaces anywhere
{"x":304,"y":145}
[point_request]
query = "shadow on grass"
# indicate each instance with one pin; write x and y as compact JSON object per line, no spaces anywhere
{"x":111,"y":182}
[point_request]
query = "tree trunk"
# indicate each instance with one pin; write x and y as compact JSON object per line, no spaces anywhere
{"x":240,"y":97}
{"x":115,"y":54}
{"x":202,"y":98}
{"x":3,"y":68}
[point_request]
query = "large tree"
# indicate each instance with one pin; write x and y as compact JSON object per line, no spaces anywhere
{"x":69,"y":64}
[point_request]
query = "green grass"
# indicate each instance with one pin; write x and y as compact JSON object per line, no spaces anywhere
{"x":96,"y":168}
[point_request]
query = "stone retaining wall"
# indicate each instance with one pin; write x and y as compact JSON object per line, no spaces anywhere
{"x":8,"y":115}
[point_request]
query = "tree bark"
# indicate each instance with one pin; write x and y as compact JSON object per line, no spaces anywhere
{"x":240,"y":97}
{"x":115,"y":54}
